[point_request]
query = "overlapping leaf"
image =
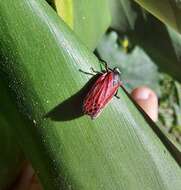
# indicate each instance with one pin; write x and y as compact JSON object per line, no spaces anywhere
{"x":88,"y":19}
{"x":167,"y":11}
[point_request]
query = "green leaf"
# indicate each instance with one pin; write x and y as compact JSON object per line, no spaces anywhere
{"x":167,"y":11}
{"x":11,"y":155}
{"x":122,"y":15}
{"x":118,"y":150}
{"x":159,"y":41}
{"x":88,"y":19}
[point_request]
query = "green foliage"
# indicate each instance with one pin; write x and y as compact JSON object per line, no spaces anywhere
{"x":41,"y":62}
{"x":123,"y":14}
{"x":90,"y":32}
{"x":167,"y":11}
{"x":10,"y":160}
{"x":132,"y":62}
{"x":170,"y":106}
{"x":159,"y":41}
{"x":161,"y":46}
{"x":85,"y":18}
{"x":11,"y":155}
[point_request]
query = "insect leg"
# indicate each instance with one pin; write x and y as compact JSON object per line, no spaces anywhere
{"x":116,"y":95}
{"x":97,"y":72}
{"x":87,"y":73}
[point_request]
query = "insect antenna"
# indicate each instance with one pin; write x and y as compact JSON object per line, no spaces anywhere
{"x":93,"y":70}
{"x":105,"y":64}
{"x":86,"y":72}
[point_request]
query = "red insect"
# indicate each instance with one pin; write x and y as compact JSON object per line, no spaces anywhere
{"x":102,"y":91}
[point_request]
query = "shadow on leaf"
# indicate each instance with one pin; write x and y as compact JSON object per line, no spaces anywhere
{"x":71,"y":108}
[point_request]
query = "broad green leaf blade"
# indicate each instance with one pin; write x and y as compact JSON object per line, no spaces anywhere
{"x":11,"y":155}
{"x":88,"y":19}
{"x":167,"y":11}
{"x":118,"y":150}
{"x":144,"y":31}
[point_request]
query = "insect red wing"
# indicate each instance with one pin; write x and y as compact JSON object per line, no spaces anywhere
{"x":100,"y":94}
{"x":90,"y":104}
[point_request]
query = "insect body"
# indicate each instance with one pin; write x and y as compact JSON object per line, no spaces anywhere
{"x":102,"y":91}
